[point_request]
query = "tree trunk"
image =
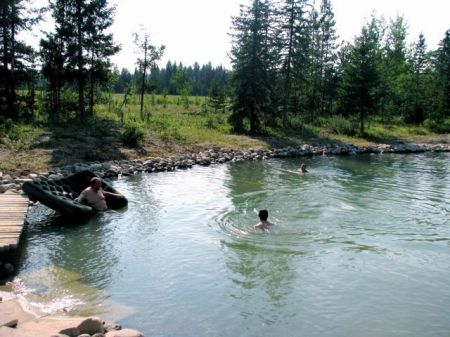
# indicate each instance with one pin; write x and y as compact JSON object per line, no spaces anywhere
{"x":80,"y":75}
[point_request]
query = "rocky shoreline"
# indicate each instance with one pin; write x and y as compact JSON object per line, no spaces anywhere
{"x":18,"y":320}
{"x":216,"y":155}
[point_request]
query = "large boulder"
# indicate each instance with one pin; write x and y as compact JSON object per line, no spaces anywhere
{"x":91,"y":326}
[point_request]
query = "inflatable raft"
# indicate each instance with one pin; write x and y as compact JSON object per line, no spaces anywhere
{"x":60,"y":194}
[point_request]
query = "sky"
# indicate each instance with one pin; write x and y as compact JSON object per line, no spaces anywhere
{"x":198,"y":30}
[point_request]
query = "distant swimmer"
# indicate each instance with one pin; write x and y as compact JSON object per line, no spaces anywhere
{"x":303,"y":169}
{"x":264,"y":223}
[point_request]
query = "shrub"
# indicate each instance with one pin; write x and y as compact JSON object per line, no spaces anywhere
{"x":341,"y":125}
{"x":132,"y":136}
{"x":437,"y":126}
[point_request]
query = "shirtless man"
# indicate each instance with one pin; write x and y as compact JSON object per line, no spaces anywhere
{"x":303,"y":169}
{"x":264,"y":223}
{"x":94,"y":195}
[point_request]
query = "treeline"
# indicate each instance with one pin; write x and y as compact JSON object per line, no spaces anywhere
{"x":162,"y":80}
{"x":288,"y":65}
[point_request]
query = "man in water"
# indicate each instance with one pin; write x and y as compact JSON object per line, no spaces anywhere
{"x":263,"y":224}
{"x":303,"y":169}
{"x":94,"y":195}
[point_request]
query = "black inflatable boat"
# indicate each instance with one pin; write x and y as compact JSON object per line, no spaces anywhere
{"x":60,"y":194}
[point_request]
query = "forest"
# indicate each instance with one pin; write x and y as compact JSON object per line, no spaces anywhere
{"x":289,"y":69}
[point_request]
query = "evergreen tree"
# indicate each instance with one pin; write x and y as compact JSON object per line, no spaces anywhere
{"x":394,"y":70}
{"x":79,"y":50}
{"x":292,"y":33}
{"x":328,"y":57}
{"x":361,"y":74}
{"x":417,"y":88}
{"x":217,"y":96}
{"x":15,"y":55}
{"x":251,"y":60}
{"x":151,"y":54}
{"x":443,"y":72}
{"x":99,"y":46}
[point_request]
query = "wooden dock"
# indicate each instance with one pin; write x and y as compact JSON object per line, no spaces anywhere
{"x":13,"y":211}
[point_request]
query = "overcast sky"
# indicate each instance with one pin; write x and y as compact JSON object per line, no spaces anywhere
{"x":197,"y":30}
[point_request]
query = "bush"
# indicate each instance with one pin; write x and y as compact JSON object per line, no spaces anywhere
{"x":341,"y":126}
{"x":132,"y":136}
{"x":437,"y":126}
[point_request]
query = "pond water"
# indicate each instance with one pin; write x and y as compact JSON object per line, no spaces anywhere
{"x":362,"y":248}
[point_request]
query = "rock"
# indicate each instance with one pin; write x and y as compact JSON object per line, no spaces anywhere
{"x":98,"y":335}
{"x":71,"y":332}
{"x":1,"y":175}
{"x":124,"y":333}
{"x":4,"y":188}
{"x":112,"y":327}
{"x":59,"y":335}
{"x":84,"y":335}
{"x":32,"y":176}
{"x":91,"y":326}
{"x":11,"y":324}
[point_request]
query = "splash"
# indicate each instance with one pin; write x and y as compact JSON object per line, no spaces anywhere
{"x":19,"y":287}
{"x":61,"y":304}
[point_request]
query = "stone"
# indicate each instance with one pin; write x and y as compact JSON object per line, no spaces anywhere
{"x":98,"y":335}
{"x":91,"y":326}
{"x":125,"y":333}
{"x":11,"y":324}
{"x":112,"y":327}
{"x":84,"y":335}
{"x":32,"y":176}
{"x":4,"y":188}
{"x":71,"y":332}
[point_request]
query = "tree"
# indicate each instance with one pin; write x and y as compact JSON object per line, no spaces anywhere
{"x":361,"y":75}
{"x":149,"y":55}
{"x":99,"y":46}
{"x":15,"y":54}
{"x":217,"y":96}
{"x":417,"y":88}
{"x":443,"y":72}
{"x":183,"y":86}
{"x":394,"y":70}
{"x":78,"y":52}
{"x":292,"y":33}
{"x":328,"y":57}
{"x":252,"y":65}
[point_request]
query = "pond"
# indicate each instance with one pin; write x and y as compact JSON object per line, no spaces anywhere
{"x":361,"y":248}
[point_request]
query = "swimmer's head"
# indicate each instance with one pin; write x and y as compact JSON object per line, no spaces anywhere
{"x":263,"y":215}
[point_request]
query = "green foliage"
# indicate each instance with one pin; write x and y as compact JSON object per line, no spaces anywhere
{"x":132,"y":136}
{"x":340,"y":125}
{"x":437,"y":126}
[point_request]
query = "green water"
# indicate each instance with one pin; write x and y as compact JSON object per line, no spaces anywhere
{"x":361,"y":249}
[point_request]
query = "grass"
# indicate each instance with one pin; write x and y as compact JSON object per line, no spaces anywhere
{"x":169,"y":128}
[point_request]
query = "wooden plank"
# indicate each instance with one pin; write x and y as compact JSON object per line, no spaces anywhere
{"x":13,"y":211}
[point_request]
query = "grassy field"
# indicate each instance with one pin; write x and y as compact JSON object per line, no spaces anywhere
{"x":170,"y":126}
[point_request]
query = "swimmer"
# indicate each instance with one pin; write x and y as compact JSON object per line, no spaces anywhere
{"x":303,"y":169}
{"x":264,"y":224}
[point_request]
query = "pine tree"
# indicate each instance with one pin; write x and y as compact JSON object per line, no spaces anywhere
{"x":417,"y":88}
{"x":361,"y":74}
{"x":252,"y":66}
{"x":79,"y":50}
{"x":443,"y":71}
{"x":15,"y":54}
{"x":292,"y":14}
{"x":151,"y":54}
{"x":217,"y":96}
{"x":395,"y":69}
{"x":328,"y":56}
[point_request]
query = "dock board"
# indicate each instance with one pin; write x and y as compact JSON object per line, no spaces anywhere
{"x":13,"y":211}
